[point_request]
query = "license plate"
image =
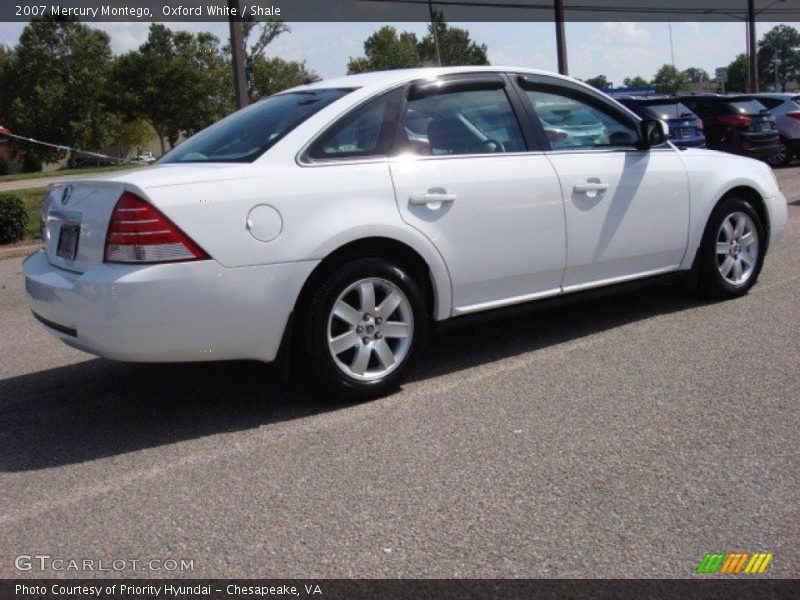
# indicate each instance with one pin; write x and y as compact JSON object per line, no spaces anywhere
{"x":766,"y":127}
{"x":684,"y":133}
{"x":68,"y":241}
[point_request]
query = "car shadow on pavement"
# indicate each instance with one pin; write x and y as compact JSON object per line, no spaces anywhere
{"x":100,"y":408}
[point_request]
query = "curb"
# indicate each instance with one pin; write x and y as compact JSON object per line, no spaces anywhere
{"x":18,"y":251}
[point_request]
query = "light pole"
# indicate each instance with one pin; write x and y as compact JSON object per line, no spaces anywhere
{"x":561,"y":38}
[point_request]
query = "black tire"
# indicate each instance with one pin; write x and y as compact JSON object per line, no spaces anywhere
{"x":711,"y":282}
{"x":316,"y":321}
{"x":782,"y":159}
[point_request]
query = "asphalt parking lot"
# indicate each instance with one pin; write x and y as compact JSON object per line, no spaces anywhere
{"x":622,"y":437}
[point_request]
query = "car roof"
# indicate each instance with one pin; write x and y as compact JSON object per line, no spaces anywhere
{"x":383,"y":79}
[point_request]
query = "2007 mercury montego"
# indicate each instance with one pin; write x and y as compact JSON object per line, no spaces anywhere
{"x":348,"y":215}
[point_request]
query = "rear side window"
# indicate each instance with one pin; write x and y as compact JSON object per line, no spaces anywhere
{"x":366,"y":131}
{"x":461,"y":122}
{"x":247,"y":134}
{"x":571,"y":124}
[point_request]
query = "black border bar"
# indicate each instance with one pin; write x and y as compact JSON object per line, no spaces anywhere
{"x":404,"y":589}
{"x":387,"y":11}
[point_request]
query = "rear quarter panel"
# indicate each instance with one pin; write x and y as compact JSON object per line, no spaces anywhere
{"x":322,"y":208}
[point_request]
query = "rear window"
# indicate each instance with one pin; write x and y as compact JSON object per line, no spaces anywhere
{"x":668,"y":110}
{"x":747,"y":107}
{"x":247,"y":134}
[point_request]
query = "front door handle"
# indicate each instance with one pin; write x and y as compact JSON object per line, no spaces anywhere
{"x":432,"y":198}
{"x":591,"y":186}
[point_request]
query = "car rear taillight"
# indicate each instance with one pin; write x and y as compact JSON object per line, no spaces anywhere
{"x":139,"y":233}
{"x":735,"y":120}
{"x":793,"y":115}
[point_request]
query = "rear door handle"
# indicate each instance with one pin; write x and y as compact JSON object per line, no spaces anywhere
{"x":592,"y":186}
{"x":432,"y":199}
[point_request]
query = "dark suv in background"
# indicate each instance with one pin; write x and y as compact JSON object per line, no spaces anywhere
{"x":736,"y":124}
{"x":685,"y":127}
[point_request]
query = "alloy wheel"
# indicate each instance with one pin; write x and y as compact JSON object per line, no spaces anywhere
{"x":737,"y":248}
{"x":370,"y":329}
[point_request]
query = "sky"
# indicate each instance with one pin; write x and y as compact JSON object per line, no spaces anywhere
{"x":614,"y":49}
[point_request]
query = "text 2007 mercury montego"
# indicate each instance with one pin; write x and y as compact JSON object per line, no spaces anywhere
{"x":345,"y":217}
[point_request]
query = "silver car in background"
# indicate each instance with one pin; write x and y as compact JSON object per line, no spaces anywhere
{"x":786,"y":109}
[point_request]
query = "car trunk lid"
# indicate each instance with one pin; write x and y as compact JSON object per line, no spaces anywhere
{"x":75,"y":218}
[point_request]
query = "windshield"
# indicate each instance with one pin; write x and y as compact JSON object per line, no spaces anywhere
{"x":669,"y":110}
{"x":247,"y":134}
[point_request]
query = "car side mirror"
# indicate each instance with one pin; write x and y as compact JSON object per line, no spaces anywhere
{"x":652,"y":132}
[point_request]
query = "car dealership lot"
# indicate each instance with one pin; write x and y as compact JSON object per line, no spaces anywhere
{"x":620,"y":437}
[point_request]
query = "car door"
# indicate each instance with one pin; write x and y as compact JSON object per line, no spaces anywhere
{"x":468,"y":176}
{"x":627,"y":210}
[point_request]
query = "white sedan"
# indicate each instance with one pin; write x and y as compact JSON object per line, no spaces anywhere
{"x":344,"y":217}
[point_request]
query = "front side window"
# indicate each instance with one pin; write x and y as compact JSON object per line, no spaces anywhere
{"x":571,"y":124}
{"x":247,"y":134}
{"x":367,"y":131}
{"x":460,"y":123}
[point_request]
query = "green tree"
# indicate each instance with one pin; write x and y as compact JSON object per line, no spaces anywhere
{"x":272,"y":75}
{"x":637,"y":81}
{"x":385,"y":50}
{"x":178,"y":81}
{"x":782,"y":41}
{"x":6,"y":87}
{"x":600,"y":82}
{"x":456,"y":47}
{"x":59,"y":74}
{"x":737,"y":75}
{"x":257,"y":37}
{"x":669,"y":80}
{"x":135,"y":134}
{"x":696,"y":75}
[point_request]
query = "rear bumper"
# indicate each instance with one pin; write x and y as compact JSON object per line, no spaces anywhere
{"x":755,"y":151}
{"x":192,"y":311}
{"x":699,"y":142}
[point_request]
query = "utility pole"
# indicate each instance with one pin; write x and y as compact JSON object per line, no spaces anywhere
{"x":237,"y":55}
{"x":561,"y":38}
{"x":752,"y":57}
{"x":671,"y":45}
{"x":434,"y":33}
{"x":776,"y":61}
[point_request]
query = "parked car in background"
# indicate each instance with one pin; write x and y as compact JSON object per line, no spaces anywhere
{"x":685,"y":127}
{"x":146,"y":157}
{"x":786,"y":110}
{"x":83,"y":161}
{"x":570,"y":125}
{"x":736,"y":124}
{"x":342,"y":218}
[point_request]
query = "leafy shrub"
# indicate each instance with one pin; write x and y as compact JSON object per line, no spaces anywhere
{"x":13,"y":218}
